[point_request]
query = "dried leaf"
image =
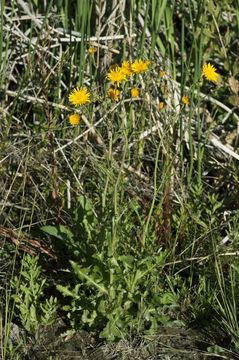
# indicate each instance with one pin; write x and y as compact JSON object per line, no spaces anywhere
{"x":234,"y":85}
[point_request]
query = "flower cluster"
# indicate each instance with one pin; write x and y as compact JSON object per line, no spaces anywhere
{"x":119,"y":74}
{"x":116,"y":75}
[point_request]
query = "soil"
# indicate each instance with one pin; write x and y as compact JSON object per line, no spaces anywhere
{"x":54,"y":343}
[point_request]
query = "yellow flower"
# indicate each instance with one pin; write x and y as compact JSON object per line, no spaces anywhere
{"x":139,"y":66}
{"x":126,"y":68}
{"x":116,"y":75}
{"x":134,"y":92}
{"x":113,"y":94}
{"x":161,"y":105}
{"x":74,"y":119}
{"x":162,"y":73}
{"x":185,"y":100}
{"x":79,"y":96}
{"x":91,"y":50}
{"x":209,"y":72}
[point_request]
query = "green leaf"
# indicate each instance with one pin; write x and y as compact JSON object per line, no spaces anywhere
{"x":168,"y":299}
{"x":110,"y":332}
{"x":127,"y":260}
{"x":83,"y":274}
{"x":53,"y":231}
{"x":88,"y":318}
{"x":65,"y":291}
{"x":60,"y":232}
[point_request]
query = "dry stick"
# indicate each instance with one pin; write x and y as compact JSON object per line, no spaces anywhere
{"x":221,"y":105}
{"x":9,"y":204}
{"x":200,"y":258}
{"x":206,"y":257}
{"x":20,"y":240}
{"x":28,"y":17}
{"x":225,"y":148}
{"x":93,"y":38}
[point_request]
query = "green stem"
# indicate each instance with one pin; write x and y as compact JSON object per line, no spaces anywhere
{"x":145,"y":232}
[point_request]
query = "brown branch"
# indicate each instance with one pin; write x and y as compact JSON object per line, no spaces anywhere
{"x":22,"y":243}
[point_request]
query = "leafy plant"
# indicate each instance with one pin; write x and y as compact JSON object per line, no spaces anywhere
{"x":118,"y":293}
{"x":28,"y":294}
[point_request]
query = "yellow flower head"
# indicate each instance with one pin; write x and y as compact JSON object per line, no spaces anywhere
{"x":116,"y":75}
{"x":209,"y":72}
{"x":139,"y":66}
{"x":126,"y":68}
{"x":113,"y":94}
{"x":161,"y":105}
{"x":185,"y":100}
{"x":91,"y":50}
{"x":79,"y":96}
{"x":134,"y":92}
{"x":162,"y":73}
{"x":74,"y":119}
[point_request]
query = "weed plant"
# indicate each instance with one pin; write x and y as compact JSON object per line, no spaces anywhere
{"x":119,"y":170}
